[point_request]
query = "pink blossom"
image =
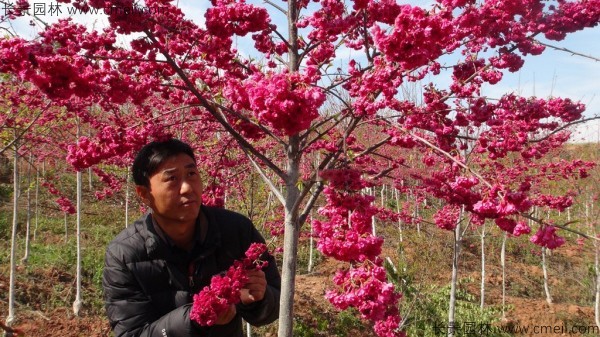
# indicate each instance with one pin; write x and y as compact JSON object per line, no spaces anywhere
{"x":546,"y":237}
{"x":224,"y":290}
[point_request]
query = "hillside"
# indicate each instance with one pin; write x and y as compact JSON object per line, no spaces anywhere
{"x":46,"y":282}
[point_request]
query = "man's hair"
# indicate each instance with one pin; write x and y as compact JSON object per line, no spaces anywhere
{"x":153,"y":154}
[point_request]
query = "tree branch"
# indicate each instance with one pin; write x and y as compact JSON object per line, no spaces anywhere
{"x":449,"y":156}
{"x":581,"y":121}
{"x":214,"y":112}
{"x":16,"y":139}
{"x":276,"y":7}
{"x":248,"y":120}
{"x":320,"y":134}
{"x":563,"y":226}
{"x":311,"y":202}
{"x":373,"y":147}
{"x":567,"y":50}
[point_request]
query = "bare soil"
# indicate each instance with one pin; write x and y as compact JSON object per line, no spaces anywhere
{"x":530,"y":311}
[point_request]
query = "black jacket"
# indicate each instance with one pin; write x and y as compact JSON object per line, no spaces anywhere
{"x":149,"y":284}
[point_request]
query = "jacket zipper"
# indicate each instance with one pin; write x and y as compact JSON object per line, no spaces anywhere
{"x":191,"y":274}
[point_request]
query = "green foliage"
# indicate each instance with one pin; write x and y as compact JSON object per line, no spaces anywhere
{"x":348,"y":322}
{"x":425,"y":309}
{"x":304,"y":256}
{"x":430,"y":312}
{"x":5,"y":193}
{"x":345,"y":324}
{"x":302,"y":329}
{"x":5,"y":225}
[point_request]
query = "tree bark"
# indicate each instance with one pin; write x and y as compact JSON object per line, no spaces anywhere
{"x":37,"y":193}
{"x":454,"y":281}
{"x":66,"y":229}
{"x":310,"y":247}
{"x":13,"y":239}
{"x":291,"y":226}
{"x":597,"y":292}
{"x":400,"y":238}
{"x":127,"y":198}
{"x":503,"y":265}
{"x":290,"y":238}
{"x":482,"y":292}
{"x":77,"y":303}
{"x":545,"y":270}
{"x":28,"y":218}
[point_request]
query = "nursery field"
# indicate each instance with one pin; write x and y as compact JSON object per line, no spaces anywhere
{"x":413,"y":165}
{"x":418,"y":261}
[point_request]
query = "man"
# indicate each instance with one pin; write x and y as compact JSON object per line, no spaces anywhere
{"x":155,"y":266}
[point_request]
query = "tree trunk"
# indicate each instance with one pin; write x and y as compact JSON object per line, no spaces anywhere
{"x":77,"y":303}
{"x":37,"y":193}
{"x":127,"y":198}
{"x":373,"y":229}
{"x":453,"y":284}
{"x":66,"y":229}
{"x":13,"y":239}
{"x":544,"y":269}
{"x":597,"y":270}
{"x":399,"y":220}
{"x":290,"y":239}
{"x":482,"y":295}
{"x":417,"y":215}
{"x":28,"y":218}
{"x":503,"y":265}
{"x":90,"y":186}
{"x":310,"y":248}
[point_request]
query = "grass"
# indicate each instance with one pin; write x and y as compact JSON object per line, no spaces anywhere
{"x":52,"y":260}
{"x":47,"y":281}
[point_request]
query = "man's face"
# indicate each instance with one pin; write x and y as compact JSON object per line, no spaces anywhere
{"x":175,"y":191}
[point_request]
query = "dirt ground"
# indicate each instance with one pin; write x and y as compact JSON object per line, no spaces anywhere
{"x":528,"y":313}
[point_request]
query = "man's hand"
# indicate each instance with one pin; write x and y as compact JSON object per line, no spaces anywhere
{"x":226,"y":316}
{"x":254,"y":290}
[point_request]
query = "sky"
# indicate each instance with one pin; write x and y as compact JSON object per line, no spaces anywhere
{"x":554,"y":73}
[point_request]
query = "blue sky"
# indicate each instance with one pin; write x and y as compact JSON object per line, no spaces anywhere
{"x":554,"y":73}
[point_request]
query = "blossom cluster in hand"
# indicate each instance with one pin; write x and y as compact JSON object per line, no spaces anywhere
{"x":224,"y":290}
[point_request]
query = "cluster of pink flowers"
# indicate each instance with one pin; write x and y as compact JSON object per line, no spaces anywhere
{"x":546,"y":237}
{"x":111,"y":142}
{"x":346,"y":236}
{"x":112,"y":182}
{"x":510,"y":202}
{"x":416,"y":38}
{"x":555,"y":202}
{"x":343,"y":179}
{"x":63,"y":202}
{"x":329,"y":20}
{"x":224,"y":290}
{"x":66,"y":205}
{"x":513,"y":121}
{"x":286,"y":102}
{"x":513,"y":227}
{"x":569,"y":17}
{"x":239,"y":18}
{"x":214,"y":195}
{"x":447,"y":217}
{"x":365,"y":287}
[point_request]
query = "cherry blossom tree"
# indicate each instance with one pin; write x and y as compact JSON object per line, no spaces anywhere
{"x":293,"y":94}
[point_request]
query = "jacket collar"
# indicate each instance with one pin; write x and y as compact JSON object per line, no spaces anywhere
{"x":155,"y":242}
